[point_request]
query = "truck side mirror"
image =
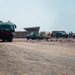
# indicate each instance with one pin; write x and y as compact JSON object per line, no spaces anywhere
{"x":15,"y":26}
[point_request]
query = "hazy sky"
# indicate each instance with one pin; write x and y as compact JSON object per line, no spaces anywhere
{"x":48,"y":14}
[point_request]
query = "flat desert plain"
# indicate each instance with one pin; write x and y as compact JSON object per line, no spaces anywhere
{"x":35,"y":57}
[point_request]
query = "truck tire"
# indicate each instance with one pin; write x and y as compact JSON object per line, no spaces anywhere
{"x":27,"y":38}
{"x":10,"y":39}
{"x":46,"y":39}
{"x":3,"y":40}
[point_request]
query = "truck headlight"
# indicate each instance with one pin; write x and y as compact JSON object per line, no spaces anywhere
{"x":13,"y":33}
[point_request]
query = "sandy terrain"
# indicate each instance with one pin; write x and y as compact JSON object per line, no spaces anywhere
{"x":23,"y":57}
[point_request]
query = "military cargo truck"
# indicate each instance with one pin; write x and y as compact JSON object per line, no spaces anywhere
{"x":59,"y":34}
{"x":36,"y":35}
{"x":7,"y":31}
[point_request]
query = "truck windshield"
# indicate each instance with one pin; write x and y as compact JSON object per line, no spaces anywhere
{"x":8,"y":27}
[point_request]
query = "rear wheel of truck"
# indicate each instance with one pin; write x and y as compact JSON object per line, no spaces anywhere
{"x":46,"y":39}
{"x":10,"y":39}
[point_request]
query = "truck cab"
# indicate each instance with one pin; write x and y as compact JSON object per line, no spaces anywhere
{"x":7,"y":31}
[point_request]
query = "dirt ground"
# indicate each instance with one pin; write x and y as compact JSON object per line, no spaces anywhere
{"x":34,"y":57}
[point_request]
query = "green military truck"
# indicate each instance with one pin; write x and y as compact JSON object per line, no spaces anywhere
{"x":7,"y":31}
{"x":37,"y":35}
{"x":59,"y":34}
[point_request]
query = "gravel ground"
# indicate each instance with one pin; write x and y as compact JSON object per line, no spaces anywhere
{"x":32,"y":57}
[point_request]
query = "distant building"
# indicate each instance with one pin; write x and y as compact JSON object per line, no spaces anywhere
{"x":20,"y":34}
{"x":32,"y":29}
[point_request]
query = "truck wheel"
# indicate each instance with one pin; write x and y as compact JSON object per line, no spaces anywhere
{"x":3,"y":40}
{"x":10,"y":39}
{"x":46,"y":39}
{"x":27,"y":38}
